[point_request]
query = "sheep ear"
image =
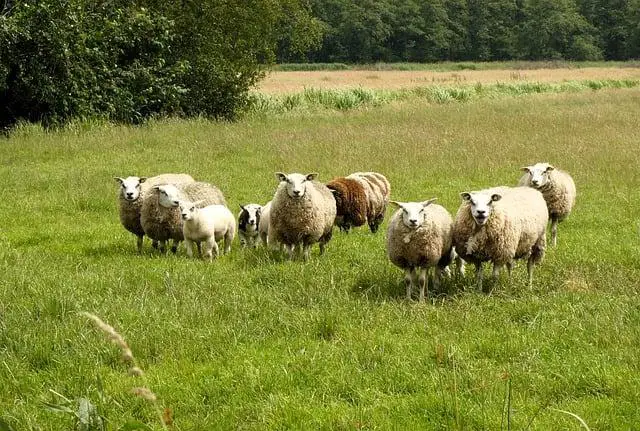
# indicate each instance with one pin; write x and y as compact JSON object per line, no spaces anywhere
{"x":549,"y":168}
{"x":495,"y":197}
{"x":396,"y":204}
{"x":466,"y":196}
{"x":281,"y":176}
{"x":429,"y":202}
{"x":143,"y":179}
{"x":525,"y":169}
{"x":312,"y":176}
{"x":334,"y":192}
{"x":118,"y":179}
{"x":241,"y":207}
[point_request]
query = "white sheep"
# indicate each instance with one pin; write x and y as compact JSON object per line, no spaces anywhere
{"x":207,"y":225}
{"x":160,"y":216}
{"x":131,"y":194}
{"x":500,"y":225}
{"x":248,"y":224}
{"x":302,"y":213}
{"x":419,"y":238}
{"x":558,"y":189}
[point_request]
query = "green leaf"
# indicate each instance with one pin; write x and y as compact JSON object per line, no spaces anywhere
{"x":4,"y":426}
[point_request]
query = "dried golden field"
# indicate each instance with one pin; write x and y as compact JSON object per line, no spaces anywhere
{"x":281,"y":82}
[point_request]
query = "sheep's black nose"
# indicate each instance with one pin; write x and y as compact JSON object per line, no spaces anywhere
{"x":296,"y":192}
{"x":480,"y":212}
{"x":129,"y":194}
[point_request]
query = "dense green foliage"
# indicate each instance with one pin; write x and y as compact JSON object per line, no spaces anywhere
{"x":481,"y":30}
{"x":129,"y":60}
{"x":254,"y":342}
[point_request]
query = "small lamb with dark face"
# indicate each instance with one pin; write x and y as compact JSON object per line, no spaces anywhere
{"x":558,"y":189}
{"x":248,"y":222}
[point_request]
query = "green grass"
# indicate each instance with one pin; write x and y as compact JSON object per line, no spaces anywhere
{"x":255,"y":342}
{"x":312,"y":100}
{"x":447,"y":66}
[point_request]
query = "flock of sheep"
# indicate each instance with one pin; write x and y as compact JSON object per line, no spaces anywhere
{"x":497,"y":225}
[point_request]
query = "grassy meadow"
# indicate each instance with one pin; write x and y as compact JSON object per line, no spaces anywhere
{"x":255,"y":342}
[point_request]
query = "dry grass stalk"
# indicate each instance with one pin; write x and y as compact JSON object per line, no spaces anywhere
{"x":127,"y":357}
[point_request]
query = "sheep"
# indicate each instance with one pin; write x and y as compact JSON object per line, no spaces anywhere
{"x":131,"y":194}
{"x":500,"y":225}
{"x":248,"y":223}
{"x":263,"y":224}
{"x":361,"y":197}
{"x":160,"y":216}
{"x":419,"y":237}
{"x":209,"y":225}
{"x":558,"y":189}
{"x":302,"y":213}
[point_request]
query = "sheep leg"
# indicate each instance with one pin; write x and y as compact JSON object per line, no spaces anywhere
{"x":530,"y":265}
{"x":154,"y":243}
{"x":554,"y":232}
{"x":496,"y":271}
{"x":139,"y":243}
{"x":227,"y":242}
{"x":479,"y":275}
{"x":306,"y":251}
{"x":289,"y":249}
{"x":174,"y":246}
{"x":437,"y":276}
{"x":408,"y":281}
{"x":510,"y":265}
{"x":209,"y":246}
{"x":423,"y":282}
{"x":212,"y":248}
{"x":459,"y":265}
{"x":189,"y":245}
{"x":162,"y":246}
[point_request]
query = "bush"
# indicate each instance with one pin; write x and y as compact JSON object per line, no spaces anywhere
{"x":130,"y":60}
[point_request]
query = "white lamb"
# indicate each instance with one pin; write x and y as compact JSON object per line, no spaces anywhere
{"x":558,"y":189}
{"x":263,"y":224}
{"x":131,"y":194}
{"x":418,"y":239}
{"x":302,"y":213}
{"x":500,"y":225}
{"x":207,"y":225}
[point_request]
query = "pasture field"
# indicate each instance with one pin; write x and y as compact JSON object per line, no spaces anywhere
{"x":283,"y":82}
{"x":255,"y":342}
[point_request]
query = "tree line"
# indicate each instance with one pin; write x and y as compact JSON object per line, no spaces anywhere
{"x":365,"y":31}
{"x":128,"y":60}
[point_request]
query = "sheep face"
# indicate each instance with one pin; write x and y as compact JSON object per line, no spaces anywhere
{"x":188,"y":210}
{"x":481,"y":205}
{"x":538,"y":174}
{"x":296,"y":183}
{"x":168,"y":196}
{"x":130,"y":187}
{"x":413,"y":212}
{"x":250,"y":216}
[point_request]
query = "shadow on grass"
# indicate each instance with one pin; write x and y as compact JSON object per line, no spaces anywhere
{"x":390,"y":286}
